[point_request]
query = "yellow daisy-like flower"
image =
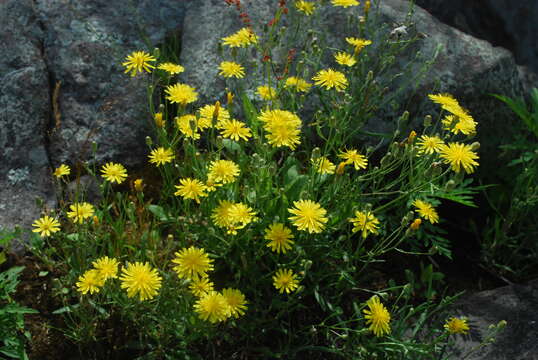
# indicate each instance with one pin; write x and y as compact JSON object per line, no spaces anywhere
{"x":106,"y":267}
{"x":305,"y":7}
{"x":192,"y":262}
{"x":285,"y":280}
{"x":139,"y":278}
{"x":459,"y":156}
{"x":324,"y":165}
{"x":352,"y":156}
{"x":207,"y":113}
{"x":456,"y":325}
{"x":365,"y":222}
{"x":429,"y":144}
{"x":171,"y":68}
{"x":462,"y":123}
{"x":266,"y":92}
{"x":200,"y":286}
{"x":242,"y":38}
{"x":283,"y":127}
{"x":190,"y":126}
{"x":225,"y":171}
{"x":328,"y":79}
{"x":221,"y":214}
{"x":447,"y":101}
{"x":279,"y":237}
{"x":161,"y":156}
{"x":191,"y":189}
{"x":231,"y":69}
{"x":234,"y":130}
{"x":89,"y":282}
{"x":80,"y":211}
{"x":212,"y":306}
{"x":345,"y":59}
{"x":137,"y":62}
{"x":298,"y":84}
{"x":345,"y":3}
{"x":182,"y":94}
{"x":46,"y":225}
{"x":377,"y":316}
{"x":426,"y":210}
{"x":358,"y":43}
{"x":236,"y":302}
{"x":62,"y":170}
{"x":240,"y":213}
{"x":114,"y":172}
{"x":308,"y":215}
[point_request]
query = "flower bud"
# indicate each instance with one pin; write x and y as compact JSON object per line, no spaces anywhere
{"x":427,"y":120}
{"x":415,"y":225}
{"x":149,"y":141}
{"x":475,"y":146}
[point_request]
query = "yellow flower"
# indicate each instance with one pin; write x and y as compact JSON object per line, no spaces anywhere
{"x":161,"y":156}
{"x":305,"y":7}
{"x":234,"y":130}
{"x":242,"y":38}
{"x":46,"y":225}
{"x":159,"y":121}
{"x":137,"y":62}
{"x":298,"y":84}
{"x":429,"y":144}
{"x":352,"y":156}
{"x":207,"y":113}
{"x":171,"y":68}
{"x":309,"y":216}
{"x":345,"y":59}
{"x":225,"y":171}
{"x":266,"y":92}
{"x":330,"y":79}
{"x":90,"y":281}
{"x":189,"y":125}
{"x":285,"y":280}
{"x":191,"y":189}
{"x":106,"y":267}
{"x":280,"y":238}
{"x":426,"y":210}
{"x":240,"y":213}
{"x":80,"y":211}
{"x":212,"y":306}
{"x":182,"y":94}
{"x":446,"y":101}
{"x":345,"y":3}
{"x":324,"y":165}
{"x":458,"y":156}
{"x":221,"y":214}
{"x":358,"y":43}
{"x":283,"y":127}
{"x":365,"y":222}
{"x":236,"y":302}
{"x":461,"y":123}
{"x":230,"y":68}
{"x":114,"y":172}
{"x":456,"y":325}
{"x":192,"y":262}
{"x":62,"y":170}
{"x":200,"y":286}
{"x":377,"y":316}
{"x":139,"y":278}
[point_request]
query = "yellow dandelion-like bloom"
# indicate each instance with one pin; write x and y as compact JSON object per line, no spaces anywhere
{"x":182,"y":94}
{"x":308,"y":215}
{"x":159,"y":121}
{"x":200,"y":286}
{"x":212,"y":306}
{"x":358,"y":43}
{"x":446,"y":101}
{"x":62,"y":170}
{"x":283,"y":127}
{"x":242,"y":214}
{"x":236,"y":302}
{"x":161,"y":156}
{"x":429,"y":144}
{"x":234,"y":130}
{"x":328,"y":79}
{"x":221,"y":214}
{"x":344,"y":58}
{"x":114,"y":172}
{"x":456,"y":325}
{"x":462,"y":123}
{"x":324,"y":165}
{"x":285,"y":280}
{"x":106,"y":267}
{"x":365,"y":222}
{"x":137,"y":62}
{"x":266,"y":92}
{"x":377,"y":316}
{"x":225,"y":171}
{"x":352,"y":156}
{"x":242,"y":38}
{"x":426,"y":210}
{"x":208,"y":112}
{"x":192,"y":262}
{"x":191,"y":189}
{"x":231,"y":69}
{"x":171,"y":68}
{"x":80,"y":211}
{"x":298,"y":84}
{"x":345,"y":3}
{"x":139,"y":278}
{"x":211,"y":185}
{"x":279,"y":237}
{"x":190,"y":126}
{"x":89,"y":282}
{"x":459,"y":156}
{"x":305,"y":7}
{"x":46,"y":226}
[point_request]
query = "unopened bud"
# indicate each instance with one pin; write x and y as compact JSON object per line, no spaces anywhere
{"x":405,"y":116}
{"x":427,"y":120}
{"x":149,"y":141}
{"x":159,"y":122}
{"x":216,"y":112}
{"x":475,"y":146}
{"x":139,"y":185}
{"x":415,"y":225}
{"x":450,"y":184}
{"x":340,"y":168}
{"x":411,"y":137}
{"x":229,"y":98}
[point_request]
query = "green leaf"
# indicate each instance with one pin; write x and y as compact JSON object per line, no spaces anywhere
{"x":159,"y":212}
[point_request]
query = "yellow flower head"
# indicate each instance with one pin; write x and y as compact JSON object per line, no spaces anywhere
{"x":90,"y":282}
{"x":161,"y":156}
{"x":358,"y":43}
{"x":285,"y":280}
{"x":329,"y":79}
{"x":447,"y":101}
{"x":305,"y":7}
{"x":189,"y":125}
{"x":242,"y":38}
{"x":182,"y":94}
{"x":221,"y":214}
{"x":80,"y":211}
{"x":456,"y":325}
{"x":207,"y":113}
{"x":352,"y":156}
{"x":171,"y":68}
{"x":297,"y":84}
{"x":345,"y":59}
{"x":377,"y":316}
{"x":137,"y":62}
{"x":200,"y":286}
{"x":114,"y":172}
{"x":283,"y":127}
{"x":266,"y":92}
{"x":426,"y":211}
{"x":192,"y":262}
{"x":139,"y":278}
{"x":240,"y":213}
{"x":46,"y":225}
{"x":231,"y":69}
{"x":191,"y":189}
{"x":212,"y":306}
{"x":461,"y":123}
{"x":236,"y":302}
{"x":345,"y":3}
{"x":106,"y":267}
{"x":235,"y":130}
{"x":225,"y":171}
{"x":365,"y":222}
{"x":459,"y":156}
{"x":308,"y":216}
{"x":429,"y":144}
{"x":279,"y":237}
{"x":323,"y":165}
{"x":62,"y":170}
